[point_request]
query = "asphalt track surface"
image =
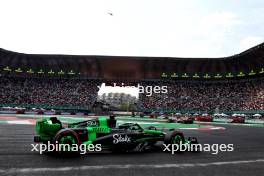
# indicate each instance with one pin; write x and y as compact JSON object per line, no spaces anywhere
{"x":247,"y":159}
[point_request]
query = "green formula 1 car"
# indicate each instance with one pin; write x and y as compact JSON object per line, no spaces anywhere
{"x":123,"y":138}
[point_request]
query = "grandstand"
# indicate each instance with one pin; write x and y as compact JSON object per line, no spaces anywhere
{"x":208,"y":96}
{"x":232,"y":83}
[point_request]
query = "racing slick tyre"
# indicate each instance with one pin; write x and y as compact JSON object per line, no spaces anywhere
{"x":174,"y":137}
{"x":68,"y":141}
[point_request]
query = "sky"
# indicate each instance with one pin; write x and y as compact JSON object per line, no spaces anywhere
{"x":173,"y":28}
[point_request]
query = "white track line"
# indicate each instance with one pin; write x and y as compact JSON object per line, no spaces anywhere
{"x":127,"y":166}
{"x":20,"y":122}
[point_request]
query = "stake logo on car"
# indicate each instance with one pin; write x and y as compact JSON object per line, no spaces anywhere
{"x":120,"y":139}
{"x":92,"y":123}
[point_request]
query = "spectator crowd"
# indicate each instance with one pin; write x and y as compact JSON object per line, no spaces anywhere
{"x":225,"y":95}
{"x":48,"y":91}
{"x":189,"y":95}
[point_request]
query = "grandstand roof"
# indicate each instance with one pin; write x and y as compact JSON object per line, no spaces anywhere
{"x":128,"y":67}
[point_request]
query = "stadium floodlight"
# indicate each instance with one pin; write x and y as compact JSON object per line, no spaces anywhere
{"x":30,"y":71}
{"x":71,"y":73}
{"x":229,"y":75}
{"x":207,"y":76}
{"x":164,"y":75}
{"x":18,"y":70}
{"x":196,"y":75}
{"x":61,"y":72}
{"x":241,"y":74}
{"x":51,"y":72}
{"x":252,"y":73}
{"x":40,"y":71}
{"x":174,"y":75}
{"x":185,"y":75}
{"x":7,"y":68}
{"x":218,"y":75}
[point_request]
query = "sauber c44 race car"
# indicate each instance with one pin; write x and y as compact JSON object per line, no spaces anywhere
{"x":123,"y":138}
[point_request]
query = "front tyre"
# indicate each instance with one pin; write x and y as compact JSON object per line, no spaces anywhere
{"x":67,"y":142}
{"x":174,"y":138}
